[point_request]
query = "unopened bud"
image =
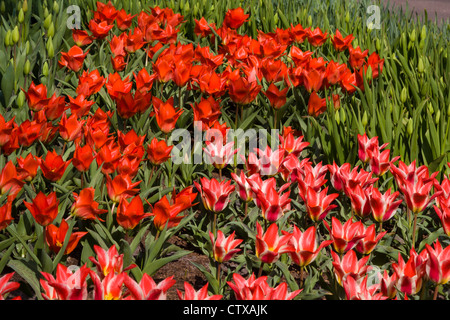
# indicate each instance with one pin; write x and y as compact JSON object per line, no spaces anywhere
{"x":50,"y":49}
{"x":51,"y":30}
{"x":7,"y":39}
{"x":420,"y":66}
{"x":15,"y":35}
{"x":45,"y":69}
{"x":337,"y":117}
{"x":26,"y":67}
{"x":21,"y":16}
{"x":364,"y":119}
{"x":412,"y":35}
{"x":20,"y":100}
{"x":438,"y":117}
{"x":2,"y":7}
{"x":409,"y":127}
{"x":403,"y":95}
{"x":47,"y":21}
{"x":55,"y":6}
{"x":25,"y":6}
{"x":347,"y":17}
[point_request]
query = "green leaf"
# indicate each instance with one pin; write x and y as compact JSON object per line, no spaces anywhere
{"x":29,"y":273}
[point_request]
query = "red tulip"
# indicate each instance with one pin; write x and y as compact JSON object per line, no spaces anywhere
{"x":36,"y":96}
{"x":438,"y":263}
{"x":99,"y":30}
{"x":215,"y":195}
{"x":277,"y":98}
{"x":388,"y":285}
{"x":234,"y":18}
{"x":82,"y":157}
{"x":43,"y":208}
{"x":70,"y":129}
{"x":360,"y":199}
{"x":105,"y":12}
{"x":191,"y":294}
{"x":81,"y":37}
{"x":338,"y":175}
{"x":85,"y":207}
{"x":118,"y":63}
{"x":55,"y":237}
{"x":370,"y":240}
{"x":409,"y":274}
{"x":6,"y":285}
{"x":224,"y":248}
{"x":308,"y":176}
{"x":108,"y":261}
{"x":340,"y":43}
{"x":305,"y":248}
{"x":108,"y":288}
{"x":273,"y":204}
{"x":207,"y":111}
{"x":219,"y":154}
{"x":165,"y":213}
{"x":316,"y":37}
{"x":5,"y":215}
{"x":244,"y":188}
{"x":10,"y":182}
{"x":53,"y":167}
{"x":124,"y":20}
{"x":80,"y":106}
{"x":73,"y":59}
{"x":68,"y":285}
{"x":166,"y":115}
{"x":292,"y":144}
{"x":345,"y":236}
{"x":359,"y":290}
{"x":147,"y":289}
{"x":357,"y":57}
{"x":349,"y":266}
{"x":242,"y":90}
{"x":108,"y":157}
{"x":28,"y":132}
{"x":270,"y":245}
{"x":258,"y":289}
{"x":202,"y":28}
{"x":383,"y":206}
{"x":318,"y":203}
{"x":130,"y":214}
{"x":316,"y":105}
{"x":121,"y":187}
{"x":444,"y":216}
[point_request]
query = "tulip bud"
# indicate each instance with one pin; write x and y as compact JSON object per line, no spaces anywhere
{"x":310,"y":21}
{"x":195,"y":9}
{"x":409,"y":126}
{"x":378,"y":45}
{"x":2,"y":7}
{"x":403,"y":95}
{"x":347,"y":17}
{"x":337,"y":117}
{"x":7,"y":39}
{"x":20,"y":100}
{"x":15,"y":35}
{"x":46,"y":13}
{"x":47,"y":22}
{"x":448,"y":111}
{"x":25,"y":6}
{"x":343,"y":115}
{"x":364,"y":119}
{"x":181,"y":5}
{"x":50,"y":49}
{"x":21,"y":16}
{"x":420,"y":66}
{"x":355,"y":43}
{"x":55,"y":6}
{"x":412,"y":35}
{"x":438,"y":117}
{"x":26,"y":67}
{"x":369,"y":74}
{"x":45,"y":69}
{"x":27,"y":47}
{"x":423,"y":33}
{"x":430,"y":108}
{"x":187,"y":8}
{"x":51,"y":30}
{"x":275,"y":18}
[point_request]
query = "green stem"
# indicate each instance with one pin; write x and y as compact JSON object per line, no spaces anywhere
{"x":414,"y":231}
{"x":261,"y":267}
{"x":436,"y":291}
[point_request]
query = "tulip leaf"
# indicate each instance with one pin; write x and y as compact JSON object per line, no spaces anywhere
{"x":28,"y":272}
{"x":153,"y":266}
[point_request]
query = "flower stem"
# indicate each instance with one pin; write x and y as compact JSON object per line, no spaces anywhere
{"x":436,"y":291}
{"x":414,"y":231}
{"x":261,"y":267}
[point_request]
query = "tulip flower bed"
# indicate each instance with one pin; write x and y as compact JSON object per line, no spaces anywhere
{"x":100,"y":199}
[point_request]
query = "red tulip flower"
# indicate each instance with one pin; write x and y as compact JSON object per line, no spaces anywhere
{"x":121,"y":187}
{"x":410,"y":274}
{"x":258,"y":289}
{"x":359,"y":290}
{"x":68,"y":285}
{"x":318,"y":203}
{"x":316,"y":105}
{"x":340,"y":43}
{"x":147,"y":289}
{"x":85,"y":207}
{"x":316,"y":37}
{"x":53,"y":167}
{"x":349,"y":266}
{"x":82,"y":157}
{"x":191,"y":294}
{"x":234,"y":18}
{"x":73,"y":59}
{"x":70,"y":129}
{"x":224,"y":248}
{"x":360,"y":199}
{"x":444,"y":216}
{"x":202,"y":28}
{"x":55,"y":236}
{"x":166,"y":115}
{"x":165,"y":213}
{"x":7,"y":286}
{"x":108,"y":261}
{"x":124,"y":20}
{"x":81,"y":37}
{"x":270,"y":245}
{"x":345,"y":236}
{"x":383,"y":206}
{"x":244,"y":188}
{"x":215,"y":195}
{"x":10,"y":181}
{"x":109,"y":287}
{"x":438,"y":262}
{"x":99,"y":30}
{"x":43,"y":208}
{"x":242,"y":90}
{"x":158,"y":151}
{"x":273,"y":203}
{"x":207,"y":111}
{"x":388,"y":285}
{"x":36,"y":96}
{"x":277,"y":97}
{"x":305,"y":247}
{"x":371,"y":239}
{"x":5,"y":215}
{"x":365,"y":144}
{"x":219,"y":154}
{"x":357,"y":57}
{"x":130,"y":214}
